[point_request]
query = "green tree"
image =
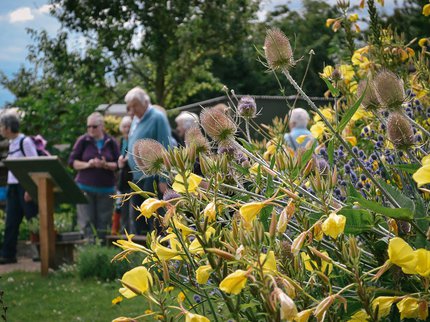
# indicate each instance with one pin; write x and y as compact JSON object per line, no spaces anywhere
{"x":164,"y":46}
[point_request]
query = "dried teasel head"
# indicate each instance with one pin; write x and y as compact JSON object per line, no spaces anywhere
{"x":370,"y":100}
{"x":217,"y":125}
{"x":400,"y":131}
{"x":277,"y":49}
{"x":247,"y":108}
{"x":389,"y":90}
{"x":149,"y":156}
{"x":195,"y":138}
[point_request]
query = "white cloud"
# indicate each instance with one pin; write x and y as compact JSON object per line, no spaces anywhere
{"x":20,"y":15}
{"x":46,"y":8}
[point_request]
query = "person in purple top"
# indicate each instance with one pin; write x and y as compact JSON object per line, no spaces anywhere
{"x":95,"y":156}
{"x":18,"y":201}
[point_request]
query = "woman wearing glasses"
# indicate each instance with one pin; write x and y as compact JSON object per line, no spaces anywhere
{"x":95,"y":156}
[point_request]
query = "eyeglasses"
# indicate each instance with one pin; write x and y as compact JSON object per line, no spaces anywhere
{"x":92,"y":126}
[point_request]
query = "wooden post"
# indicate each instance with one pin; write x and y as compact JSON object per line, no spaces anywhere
{"x":45,"y":196}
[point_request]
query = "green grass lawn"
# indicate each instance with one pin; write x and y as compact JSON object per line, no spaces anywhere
{"x":64,"y":297}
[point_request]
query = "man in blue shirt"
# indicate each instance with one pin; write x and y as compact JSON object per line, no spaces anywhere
{"x":148,"y":123}
{"x":298,"y":124}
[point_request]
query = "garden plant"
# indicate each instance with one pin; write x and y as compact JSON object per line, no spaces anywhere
{"x":338,"y":231}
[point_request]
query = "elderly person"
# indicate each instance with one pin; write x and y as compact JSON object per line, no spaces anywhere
{"x":148,"y":123}
{"x":298,"y":124}
{"x":125,"y":174}
{"x":95,"y":156}
{"x":185,"y":121}
{"x":18,"y":201}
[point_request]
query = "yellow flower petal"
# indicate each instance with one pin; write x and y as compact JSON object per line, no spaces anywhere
{"x":327,"y":71}
{"x":359,"y":316}
{"x":383,"y":303}
{"x":353,"y":17}
{"x":269,"y":261}
{"x":352,"y":140}
{"x":234,"y":283}
{"x":250,"y":210}
{"x":423,"y":262}
{"x":401,"y":254}
{"x":210,"y":211}
{"x":150,"y":206}
{"x":192,"y":181}
{"x":135,"y":282}
{"x":303,"y":316}
{"x":426,"y":10}
{"x":191,"y":317}
{"x":317,"y":129}
{"x":408,"y":308}
{"x":203,"y":273}
{"x":334,"y":225}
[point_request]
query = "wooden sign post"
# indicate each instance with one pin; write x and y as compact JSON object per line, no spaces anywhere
{"x":47,"y":181}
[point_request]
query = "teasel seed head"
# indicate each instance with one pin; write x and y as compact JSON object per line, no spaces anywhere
{"x":370,"y":100}
{"x":195,"y":138}
{"x":149,"y":156}
{"x":400,"y":131}
{"x":247,"y":107}
{"x":277,"y":49}
{"x":217,"y":125}
{"x":389,"y":90}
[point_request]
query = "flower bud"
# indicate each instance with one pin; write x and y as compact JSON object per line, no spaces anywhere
{"x":370,"y":100}
{"x":389,"y":90}
{"x":247,"y":107}
{"x":400,"y":131}
{"x":195,"y":138}
{"x":277,"y":49}
{"x":217,"y":125}
{"x":288,"y":308}
{"x":149,"y":156}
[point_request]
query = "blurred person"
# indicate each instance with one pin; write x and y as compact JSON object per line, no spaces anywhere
{"x":94,"y":156}
{"x":185,"y":121}
{"x":18,"y":201}
{"x":298,"y":124}
{"x":125,"y":174}
{"x":148,"y":123}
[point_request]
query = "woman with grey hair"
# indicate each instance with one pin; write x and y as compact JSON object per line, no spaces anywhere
{"x":298,"y":122}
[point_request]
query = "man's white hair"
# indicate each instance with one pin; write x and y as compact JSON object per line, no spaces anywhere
{"x":137,"y":94}
{"x":188,"y":119}
{"x":98,"y":117}
{"x":125,"y":120}
{"x":300,"y":117}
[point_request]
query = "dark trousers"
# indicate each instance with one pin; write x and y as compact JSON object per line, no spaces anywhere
{"x":143,"y":225}
{"x":16,"y":209}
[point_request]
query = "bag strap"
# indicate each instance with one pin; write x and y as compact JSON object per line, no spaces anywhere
{"x":290,"y":139}
{"x":21,"y":145}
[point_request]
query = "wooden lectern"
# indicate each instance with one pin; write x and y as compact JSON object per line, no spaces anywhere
{"x":47,"y":181}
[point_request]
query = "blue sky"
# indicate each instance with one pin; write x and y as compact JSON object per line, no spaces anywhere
{"x":17,"y":15}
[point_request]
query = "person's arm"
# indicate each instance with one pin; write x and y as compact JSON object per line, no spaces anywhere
{"x":82,"y":165}
{"x":29,"y":147}
{"x":75,"y":159}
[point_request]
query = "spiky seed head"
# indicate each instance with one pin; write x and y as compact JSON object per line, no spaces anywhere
{"x":400,"y":131}
{"x":217,"y":125}
{"x":148,"y":155}
{"x":389,"y":90}
{"x":195,"y":138}
{"x":277,"y":49}
{"x":247,"y":107}
{"x":370,"y":101}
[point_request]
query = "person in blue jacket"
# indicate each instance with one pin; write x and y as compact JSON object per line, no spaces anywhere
{"x":298,"y":124}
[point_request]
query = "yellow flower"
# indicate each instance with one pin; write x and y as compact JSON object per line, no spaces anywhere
{"x":210,"y":211}
{"x":149,"y":206}
{"x":202,"y":274}
{"x":303,"y":316}
{"x":359,"y":316}
{"x":383,"y":303}
{"x":185,"y":230}
{"x":353,"y":17}
{"x":269,"y":261}
{"x":165,"y":253}
{"x":401,"y":254}
{"x":327,"y":71}
{"x":128,"y":246}
{"x":329,"y":22}
{"x":135,"y":282}
{"x":352,"y":140}
{"x":191,"y":179}
{"x":250,"y":210}
{"x":317,"y":129}
{"x":328,"y":114}
{"x":168,"y":289}
{"x":311,"y":265}
{"x":423,"y":42}
{"x":117,"y":300}
{"x":334,"y":225}
{"x":271,"y":149}
{"x":191,"y":317}
{"x":288,"y":308}
{"x":422,"y":176}
{"x":408,"y":308}
{"x":360,"y":60}
{"x":123,"y":319}
{"x":360,"y":114}
{"x":195,"y":247}
{"x":426,"y":10}
{"x":347,"y":73}
{"x":181,"y":297}
{"x":423,"y":262}
{"x":234,"y":283}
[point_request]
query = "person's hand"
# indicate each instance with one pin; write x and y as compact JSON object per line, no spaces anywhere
{"x":27,"y":197}
{"x":98,"y":163}
{"x":122,"y":160}
{"x":91,"y":163}
{"x":162,"y":186}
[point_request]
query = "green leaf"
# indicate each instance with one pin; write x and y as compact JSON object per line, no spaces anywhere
{"x":408,"y":168}
{"x":308,"y":155}
{"x":350,"y":113}
{"x":330,"y":153}
{"x":396,"y":213}
{"x":334,"y":91}
{"x":264,"y":217}
{"x":250,"y":147}
{"x":136,"y":188}
{"x":402,"y":200}
{"x":357,"y":220}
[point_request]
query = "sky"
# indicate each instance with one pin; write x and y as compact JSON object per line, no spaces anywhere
{"x":18,"y":15}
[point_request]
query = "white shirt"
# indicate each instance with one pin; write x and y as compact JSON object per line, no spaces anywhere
{"x":15,"y":152}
